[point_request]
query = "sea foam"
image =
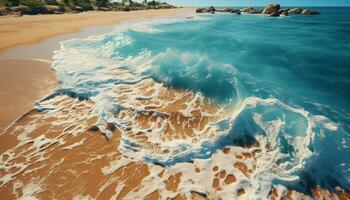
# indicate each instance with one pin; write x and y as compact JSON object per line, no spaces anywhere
{"x":128,"y":80}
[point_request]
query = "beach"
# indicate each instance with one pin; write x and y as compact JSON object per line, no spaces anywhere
{"x":173,"y":108}
{"x":25,"y":81}
{"x":22,"y":82}
{"x":28,"y":29}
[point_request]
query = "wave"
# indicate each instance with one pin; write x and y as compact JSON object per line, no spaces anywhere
{"x":175,"y":106}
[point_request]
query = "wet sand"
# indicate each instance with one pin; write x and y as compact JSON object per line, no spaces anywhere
{"x":22,"y":82}
{"x":62,"y":157}
{"x":29,"y":29}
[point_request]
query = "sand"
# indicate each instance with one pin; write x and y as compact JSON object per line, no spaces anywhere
{"x":28,"y":29}
{"x":25,"y":81}
{"x":57,"y":155}
{"x":22,"y":82}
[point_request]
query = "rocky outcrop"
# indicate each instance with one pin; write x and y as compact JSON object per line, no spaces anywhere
{"x":255,"y":11}
{"x":310,"y":12}
{"x":271,"y":9}
{"x":200,"y":10}
{"x":4,"y":11}
{"x":295,"y":11}
{"x":227,"y":10}
{"x":30,"y":7}
{"x":211,"y":9}
{"x":247,"y":9}
{"x":126,"y":8}
{"x":283,"y":13}
{"x":20,"y":8}
{"x":50,"y":9}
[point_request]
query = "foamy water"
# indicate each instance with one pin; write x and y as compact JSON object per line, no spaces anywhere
{"x":182,"y":98}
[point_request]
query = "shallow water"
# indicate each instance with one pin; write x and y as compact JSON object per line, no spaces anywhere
{"x":281,"y":82}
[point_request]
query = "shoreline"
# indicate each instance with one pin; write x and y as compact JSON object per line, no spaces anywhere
{"x":21,"y":62}
{"x":22,"y":83}
{"x":15,"y":31}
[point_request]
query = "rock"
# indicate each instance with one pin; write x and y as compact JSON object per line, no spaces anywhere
{"x":255,"y":11}
{"x":103,"y":9}
{"x":270,"y":9}
{"x":20,"y":8}
{"x":126,"y":8}
{"x":295,"y":11}
{"x":247,"y":9}
{"x":26,"y":10}
{"x":50,"y":9}
{"x":200,"y":10}
{"x":4,"y":11}
{"x":236,"y":11}
{"x":57,"y":12}
{"x":212,"y":12}
{"x":226,"y":10}
{"x":78,"y":9}
{"x":284,"y":10}
{"x":274,"y":14}
{"x":68,"y":9}
{"x":283,"y":13}
{"x":310,"y":12}
{"x":211,"y":9}
{"x":230,"y":10}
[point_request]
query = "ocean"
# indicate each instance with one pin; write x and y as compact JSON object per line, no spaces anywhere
{"x":193,"y":86}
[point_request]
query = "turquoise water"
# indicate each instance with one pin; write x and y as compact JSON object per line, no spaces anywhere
{"x":289,"y":76}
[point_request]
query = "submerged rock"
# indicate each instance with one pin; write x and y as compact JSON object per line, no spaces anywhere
{"x":295,"y":11}
{"x":270,"y":9}
{"x":310,"y":12}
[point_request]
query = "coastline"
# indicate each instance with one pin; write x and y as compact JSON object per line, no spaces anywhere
{"x":15,"y":31}
{"x":27,"y":78}
{"x":62,"y":155}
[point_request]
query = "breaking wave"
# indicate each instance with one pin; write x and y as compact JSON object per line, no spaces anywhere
{"x":173,"y":105}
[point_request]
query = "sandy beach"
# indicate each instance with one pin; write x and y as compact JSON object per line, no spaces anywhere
{"x":28,"y":29}
{"x":22,"y":82}
{"x":135,"y":148}
{"x":25,"y":81}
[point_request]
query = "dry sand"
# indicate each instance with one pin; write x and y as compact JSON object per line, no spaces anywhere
{"x":28,"y":29}
{"x":22,"y":82}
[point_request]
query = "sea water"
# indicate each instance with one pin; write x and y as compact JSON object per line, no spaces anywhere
{"x":285,"y":81}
